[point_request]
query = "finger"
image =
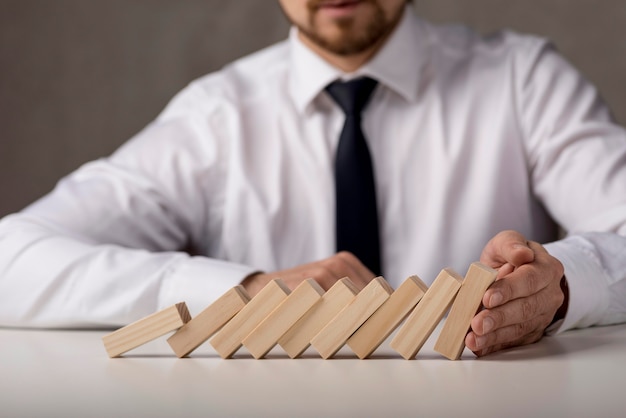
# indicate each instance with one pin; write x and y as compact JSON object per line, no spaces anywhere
{"x":522,"y":283}
{"x":519,"y":334}
{"x":515,"y":312}
{"x":505,"y":270}
{"x":507,"y":247}
{"x":525,"y":280}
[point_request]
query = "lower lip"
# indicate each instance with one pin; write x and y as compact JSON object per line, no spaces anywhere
{"x":340,"y":10}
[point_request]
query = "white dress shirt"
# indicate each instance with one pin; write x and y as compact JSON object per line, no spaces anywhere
{"x":469,"y":136}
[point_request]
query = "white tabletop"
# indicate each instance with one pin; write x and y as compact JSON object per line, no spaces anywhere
{"x":67,"y":373}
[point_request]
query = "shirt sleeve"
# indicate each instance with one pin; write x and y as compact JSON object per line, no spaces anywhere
{"x":577,"y":157}
{"x":105,"y":247}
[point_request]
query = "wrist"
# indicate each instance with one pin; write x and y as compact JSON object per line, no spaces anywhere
{"x":559,"y":316}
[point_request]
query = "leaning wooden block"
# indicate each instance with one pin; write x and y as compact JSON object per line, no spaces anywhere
{"x":334,"y":335}
{"x":265,"y":336}
{"x":228,"y":340}
{"x":207,"y":322}
{"x":425,"y":317}
{"x":451,"y":341}
{"x":146,"y":329}
{"x":299,"y":336}
{"x":382,"y":323}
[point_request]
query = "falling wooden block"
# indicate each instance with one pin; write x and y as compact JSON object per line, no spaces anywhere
{"x":265,"y":336}
{"x":425,"y":317}
{"x":208,"y":322}
{"x":382,"y":323}
{"x":146,"y":329}
{"x":299,"y":336}
{"x":334,"y":335}
{"x":229,"y":339}
{"x":451,"y":341}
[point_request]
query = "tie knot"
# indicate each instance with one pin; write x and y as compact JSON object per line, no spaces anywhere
{"x":352,"y":96}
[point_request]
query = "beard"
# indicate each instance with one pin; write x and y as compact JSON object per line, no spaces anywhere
{"x":353,"y":37}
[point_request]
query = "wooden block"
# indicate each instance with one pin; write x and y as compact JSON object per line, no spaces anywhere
{"x":265,"y":336}
{"x":425,"y":317}
{"x":146,"y":329}
{"x":451,"y":341}
{"x":382,"y":323}
{"x":228,"y":340}
{"x":334,"y":335}
{"x":208,"y":322}
{"x":299,"y":336}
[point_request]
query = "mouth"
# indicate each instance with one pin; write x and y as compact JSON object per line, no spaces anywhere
{"x":336,"y":6}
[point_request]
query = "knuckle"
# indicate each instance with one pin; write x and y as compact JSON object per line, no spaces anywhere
{"x":560,"y":269}
{"x":321,"y":272}
{"x":335,"y":264}
{"x":347,"y":257}
{"x":558,"y":298}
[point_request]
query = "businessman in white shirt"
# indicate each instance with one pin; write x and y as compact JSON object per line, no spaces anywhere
{"x":480,"y":149}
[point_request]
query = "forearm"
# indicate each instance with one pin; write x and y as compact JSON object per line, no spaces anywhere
{"x":51,"y":279}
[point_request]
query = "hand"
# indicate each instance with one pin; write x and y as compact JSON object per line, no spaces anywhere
{"x":521,"y":303}
{"x":326,"y":272}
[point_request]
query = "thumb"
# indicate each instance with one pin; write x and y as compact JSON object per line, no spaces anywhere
{"x":507,"y":247}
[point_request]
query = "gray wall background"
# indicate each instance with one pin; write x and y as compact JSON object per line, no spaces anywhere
{"x":79,"y":77}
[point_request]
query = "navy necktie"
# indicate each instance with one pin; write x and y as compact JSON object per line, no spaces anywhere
{"x":356,"y":212}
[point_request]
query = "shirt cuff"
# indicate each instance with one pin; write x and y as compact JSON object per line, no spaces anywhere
{"x":588,"y":296}
{"x":199,"y":281}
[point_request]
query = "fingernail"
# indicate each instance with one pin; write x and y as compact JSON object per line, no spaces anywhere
{"x":487,"y":325}
{"x":495,"y":300}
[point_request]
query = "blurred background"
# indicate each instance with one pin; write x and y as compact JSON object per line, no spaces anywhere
{"x":80,"y":77}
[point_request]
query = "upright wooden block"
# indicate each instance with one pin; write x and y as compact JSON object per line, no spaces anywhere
{"x":451,"y":341}
{"x":207,"y":322}
{"x":382,"y":323}
{"x":146,"y":329}
{"x":265,"y":336}
{"x":228,"y":340}
{"x":425,"y":317}
{"x":299,"y":336}
{"x":334,"y":335}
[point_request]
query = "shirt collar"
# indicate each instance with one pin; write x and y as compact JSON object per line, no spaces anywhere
{"x":397,"y":65}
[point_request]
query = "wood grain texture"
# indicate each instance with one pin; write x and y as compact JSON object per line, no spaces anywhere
{"x":451,"y":341}
{"x":334,"y":335}
{"x":146,"y":329}
{"x":298,"y":338}
{"x":266,"y":335}
{"x":229,"y":339}
{"x":382,"y":323}
{"x":195,"y":332}
{"x":425,"y":317}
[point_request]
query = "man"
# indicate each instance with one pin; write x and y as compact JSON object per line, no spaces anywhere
{"x":475,"y":145}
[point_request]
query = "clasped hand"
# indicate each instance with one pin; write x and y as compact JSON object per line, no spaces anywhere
{"x":523,"y":300}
